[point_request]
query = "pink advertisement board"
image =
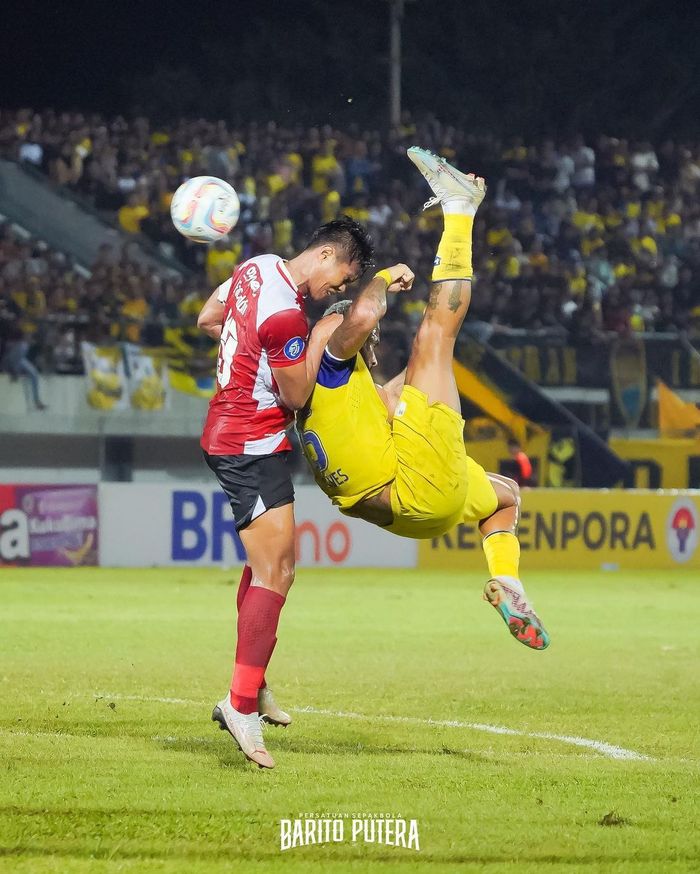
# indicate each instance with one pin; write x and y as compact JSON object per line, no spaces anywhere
{"x":48,"y":526}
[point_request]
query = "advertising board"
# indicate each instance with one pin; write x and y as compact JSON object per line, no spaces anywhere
{"x":579,"y":529}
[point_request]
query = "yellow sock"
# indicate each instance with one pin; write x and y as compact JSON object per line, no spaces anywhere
{"x":502,"y":551}
{"x":454,"y":254}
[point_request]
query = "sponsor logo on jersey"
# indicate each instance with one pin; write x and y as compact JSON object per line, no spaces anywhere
{"x":293,"y":348}
{"x":437,"y":261}
{"x":682,"y":530}
{"x":252,"y":279}
{"x":248,"y":285}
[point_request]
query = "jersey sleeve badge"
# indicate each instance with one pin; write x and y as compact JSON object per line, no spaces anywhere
{"x":294,"y":347}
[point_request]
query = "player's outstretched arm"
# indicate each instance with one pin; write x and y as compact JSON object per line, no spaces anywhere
{"x":367,"y":310}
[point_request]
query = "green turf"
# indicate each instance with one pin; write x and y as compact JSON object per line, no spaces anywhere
{"x":97,"y":776}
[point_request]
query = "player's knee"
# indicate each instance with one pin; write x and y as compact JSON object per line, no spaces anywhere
{"x":282,"y":571}
{"x":275,"y":571}
{"x":507,"y":491}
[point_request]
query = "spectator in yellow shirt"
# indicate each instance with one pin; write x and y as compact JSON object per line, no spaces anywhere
{"x":221,"y":260}
{"x":133,"y":213}
{"x":330,"y":206}
{"x":577,"y":281}
{"x":586,"y":217}
{"x":537,"y":257}
{"x":359,"y":209}
{"x":498,"y":236}
{"x":509,"y":264}
{"x":325,"y":168}
{"x":133,"y":312}
{"x":591,"y":242}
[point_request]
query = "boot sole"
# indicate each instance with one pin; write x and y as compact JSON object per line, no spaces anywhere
{"x":529,"y":633}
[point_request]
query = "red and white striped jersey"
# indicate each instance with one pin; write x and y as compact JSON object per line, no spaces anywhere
{"x":264,"y":326}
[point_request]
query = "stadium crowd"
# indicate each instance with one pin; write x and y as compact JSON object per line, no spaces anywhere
{"x":576,"y":238}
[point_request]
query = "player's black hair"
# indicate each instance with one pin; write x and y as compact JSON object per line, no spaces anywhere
{"x":349,"y":236}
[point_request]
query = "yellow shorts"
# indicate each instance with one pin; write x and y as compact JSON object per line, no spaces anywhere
{"x":437,"y":484}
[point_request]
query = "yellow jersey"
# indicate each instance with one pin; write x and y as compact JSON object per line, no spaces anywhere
{"x":345,"y":434}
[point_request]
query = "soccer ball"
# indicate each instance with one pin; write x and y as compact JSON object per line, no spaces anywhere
{"x":204,"y":209}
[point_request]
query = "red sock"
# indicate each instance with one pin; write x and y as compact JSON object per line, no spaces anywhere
{"x":244,"y":585}
{"x":257,"y":627}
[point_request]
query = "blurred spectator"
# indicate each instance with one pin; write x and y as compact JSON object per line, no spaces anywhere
{"x":132,"y":214}
{"x":523,"y":474}
{"x":16,"y":361}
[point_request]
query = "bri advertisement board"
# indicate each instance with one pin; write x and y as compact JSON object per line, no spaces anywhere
{"x":48,"y":525}
{"x":187,"y":525}
{"x":579,"y":529}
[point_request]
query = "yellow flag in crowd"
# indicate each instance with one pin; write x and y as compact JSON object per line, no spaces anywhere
{"x":675,"y":414}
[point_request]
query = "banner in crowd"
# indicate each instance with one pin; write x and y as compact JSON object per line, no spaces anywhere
{"x":580,"y":529}
{"x":147,"y":377}
{"x":181,"y":380}
{"x":106,"y":377}
{"x":125,"y":375}
{"x":628,"y":381}
{"x":50,"y":526}
{"x":661,"y":463}
{"x":550,"y":362}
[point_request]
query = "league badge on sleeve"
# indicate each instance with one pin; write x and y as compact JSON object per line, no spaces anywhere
{"x":294,"y":347}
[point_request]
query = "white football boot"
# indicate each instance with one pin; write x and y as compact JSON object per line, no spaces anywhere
{"x":246,"y":730}
{"x":270,"y":711}
{"x":456,"y":191}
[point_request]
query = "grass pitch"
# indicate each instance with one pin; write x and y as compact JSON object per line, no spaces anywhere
{"x":108,"y":760}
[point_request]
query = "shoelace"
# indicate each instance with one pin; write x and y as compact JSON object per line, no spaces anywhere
{"x":519,"y":603}
{"x":254,"y":729}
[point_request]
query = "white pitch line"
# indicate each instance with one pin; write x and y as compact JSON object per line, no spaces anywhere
{"x":605,"y":749}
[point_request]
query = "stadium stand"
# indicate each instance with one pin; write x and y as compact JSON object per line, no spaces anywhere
{"x":578,"y":241}
{"x":50,"y":304}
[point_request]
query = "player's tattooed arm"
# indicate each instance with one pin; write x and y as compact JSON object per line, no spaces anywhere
{"x":367,"y":310}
